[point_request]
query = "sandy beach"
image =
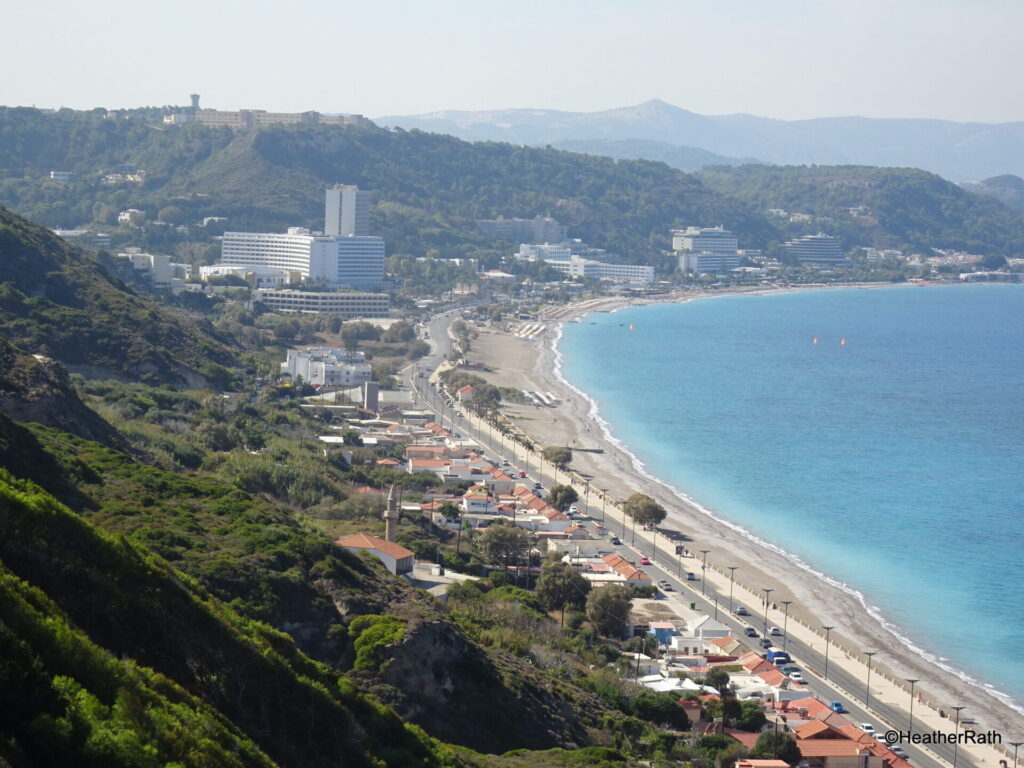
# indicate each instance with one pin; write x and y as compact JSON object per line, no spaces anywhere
{"x":532,"y":364}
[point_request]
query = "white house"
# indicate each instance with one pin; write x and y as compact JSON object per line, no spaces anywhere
{"x":396,"y":559}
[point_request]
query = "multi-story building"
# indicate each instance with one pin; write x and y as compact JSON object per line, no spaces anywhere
{"x":708,"y":262}
{"x":248,"y":119}
{"x":327,"y":366}
{"x":347,"y":211}
{"x":540,"y":229}
{"x":706,"y":249}
{"x":578,"y":267}
{"x":710,"y":239}
{"x":546,"y":251}
{"x":815,"y":249}
{"x":84,"y":238}
{"x":257,"y":277}
{"x":131,"y":216}
{"x":352,"y":261}
{"x":158,"y":268}
{"x":348,"y":303}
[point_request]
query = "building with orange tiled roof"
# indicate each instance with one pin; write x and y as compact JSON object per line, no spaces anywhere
{"x":396,"y":558}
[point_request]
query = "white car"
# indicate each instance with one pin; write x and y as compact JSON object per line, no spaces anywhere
{"x":796,"y":677}
{"x":868,"y":728}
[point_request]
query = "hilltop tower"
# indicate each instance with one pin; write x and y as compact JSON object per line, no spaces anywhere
{"x":195,"y":102}
{"x":391,"y":516}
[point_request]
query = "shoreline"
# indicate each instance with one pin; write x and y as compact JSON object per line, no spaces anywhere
{"x":817,"y":596}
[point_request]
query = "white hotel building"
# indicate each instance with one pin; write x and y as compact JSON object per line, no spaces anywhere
{"x":354,"y":261}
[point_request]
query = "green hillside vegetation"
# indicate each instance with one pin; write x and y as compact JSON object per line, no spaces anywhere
{"x":59,"y":302}
{"x":133,"y":606}
{"x":428,"y":189}
{"x":909,"y":209}
{"x":243,"y":530}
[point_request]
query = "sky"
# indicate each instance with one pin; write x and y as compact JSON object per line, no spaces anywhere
{"x":787,"y":59}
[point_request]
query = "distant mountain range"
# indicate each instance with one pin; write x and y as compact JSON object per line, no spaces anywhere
{"x":958,"y":151}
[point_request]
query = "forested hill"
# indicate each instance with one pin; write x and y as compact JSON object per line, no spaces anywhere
{"x":428,"y":189}
{"x":906,"y":208}
{"x":59,"y":302}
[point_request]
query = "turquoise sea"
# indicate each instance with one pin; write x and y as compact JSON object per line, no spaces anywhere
{"x":893,"y":462}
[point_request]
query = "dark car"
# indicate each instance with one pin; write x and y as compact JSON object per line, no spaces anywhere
{"x":751,"y":632}
{"x":616,"y":541}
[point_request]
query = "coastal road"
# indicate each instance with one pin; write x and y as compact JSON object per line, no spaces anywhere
{"x":841,"y":685}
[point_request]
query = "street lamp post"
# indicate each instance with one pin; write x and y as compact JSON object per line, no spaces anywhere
{"x":867,"y":688}
{"x":703,"y":570}
{"x":828,"y":631}
{"x":767,"y":591}
{"x":956,"y":730}
{"x":913,"y":681}
{"x":785,"y":625}
{"x":1015,"y":745}
{"x":732,"y":574}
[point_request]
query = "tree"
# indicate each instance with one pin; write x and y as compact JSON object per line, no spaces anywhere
{"x":717,"y":678}
{"x":501,"y":542}
{"x":644,"y":509}
{"x":561,"y":585}
{"x":453,"y":512}
{"x":751,"y":717}
{"x":776,"y":745}
{"x":661,"y":709}
{"x":561,"y":497}
{"x":398,"y":332}
{"x":558,"y":455}
{"x":608,"y":609}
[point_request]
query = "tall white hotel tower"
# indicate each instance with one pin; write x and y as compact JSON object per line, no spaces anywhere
{"x":347,"y":212}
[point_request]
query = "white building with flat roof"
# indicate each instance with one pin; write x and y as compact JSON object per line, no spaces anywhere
{"x":347,"y":211}
{"x":545,"y":251}
{"x":327,"y":366}
{"x":711,"y":239}
{"x":581,"y":268}
{"x":354,"y":261}
{"x":347,"y":303}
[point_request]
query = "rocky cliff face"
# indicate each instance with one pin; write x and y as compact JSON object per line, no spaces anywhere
{"x":34,"y":388}
{"x":490,"y":701}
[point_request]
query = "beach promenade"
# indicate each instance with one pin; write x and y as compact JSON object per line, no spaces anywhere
{"x":603,"y":474}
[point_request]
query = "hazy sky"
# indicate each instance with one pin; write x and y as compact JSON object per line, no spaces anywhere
{"x":952,"y":59}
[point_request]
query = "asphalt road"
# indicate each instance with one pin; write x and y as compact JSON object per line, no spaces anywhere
{"x":841,"y":685}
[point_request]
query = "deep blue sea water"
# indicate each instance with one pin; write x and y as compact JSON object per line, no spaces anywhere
{"x":894,"y":463}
